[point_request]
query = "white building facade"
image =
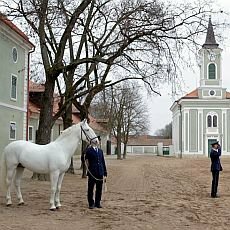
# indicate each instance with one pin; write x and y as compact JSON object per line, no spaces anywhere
{"x":203,"y":116}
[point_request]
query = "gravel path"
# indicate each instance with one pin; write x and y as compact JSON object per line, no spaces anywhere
{"x":144,"y":192}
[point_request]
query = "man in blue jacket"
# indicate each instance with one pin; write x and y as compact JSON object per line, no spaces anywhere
{"x":216,"y":167}
{"x":96,"y":171}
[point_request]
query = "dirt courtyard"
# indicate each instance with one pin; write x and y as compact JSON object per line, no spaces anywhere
{"x":144,"y":192}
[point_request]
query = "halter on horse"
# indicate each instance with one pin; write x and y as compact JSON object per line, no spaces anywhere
{"x":53,"y":158}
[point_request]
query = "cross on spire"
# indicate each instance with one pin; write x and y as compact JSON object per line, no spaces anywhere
{"x":210,"y":41}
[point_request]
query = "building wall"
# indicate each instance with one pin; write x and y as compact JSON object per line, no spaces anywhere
{"x":195,"y":133}
{"x":193,"y":130}
{"x":228,"y":130}
{"x":10,"y":109}
{"x":7,"y":116}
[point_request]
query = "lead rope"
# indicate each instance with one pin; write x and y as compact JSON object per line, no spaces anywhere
{"x":97,"y":179}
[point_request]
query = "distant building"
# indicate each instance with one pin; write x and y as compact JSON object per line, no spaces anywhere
{"x":203,"y":116}
{"x":146,"y":144}
{"x":15,"y":49}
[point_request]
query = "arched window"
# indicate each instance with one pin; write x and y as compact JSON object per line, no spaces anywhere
{"x":211,"y":71}
{"x":209,"y":121}
{"x":214,"y":122}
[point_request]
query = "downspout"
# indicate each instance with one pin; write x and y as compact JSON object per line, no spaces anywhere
{"x":180,"y":131}
{"x":28,"y":92}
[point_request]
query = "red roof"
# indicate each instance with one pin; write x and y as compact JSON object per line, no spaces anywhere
{"x":146,"y":140}
{"x":228,"y":95}
{"x":7,"y":22}
{"x":193,"y":94}
{"x":35,"y":87}
{"x":33,"y":108}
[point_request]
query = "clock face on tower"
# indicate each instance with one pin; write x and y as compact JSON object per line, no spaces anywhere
{"x":212,"y":56}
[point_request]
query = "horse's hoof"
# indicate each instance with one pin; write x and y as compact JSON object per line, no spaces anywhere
{"x":21,"y":203}
{"x":52,"y":209}
{"x":8,"y":205}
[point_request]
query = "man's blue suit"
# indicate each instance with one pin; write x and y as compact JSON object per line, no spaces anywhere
{"x":215,"y":169}
{"x":96,"y":171}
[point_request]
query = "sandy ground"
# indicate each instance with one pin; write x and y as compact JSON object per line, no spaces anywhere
{"x":144,"y":192}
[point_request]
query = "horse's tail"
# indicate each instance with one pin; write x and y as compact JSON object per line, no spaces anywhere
{"x":3,"y":173}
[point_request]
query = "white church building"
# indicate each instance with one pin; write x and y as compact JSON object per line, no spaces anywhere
{"x":203,"y":115}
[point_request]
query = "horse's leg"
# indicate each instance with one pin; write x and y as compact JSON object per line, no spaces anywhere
{"x":17,"y":180}
{"x":53,"y":182}
{"x":57,"y":194}
{"x":9,"y":177}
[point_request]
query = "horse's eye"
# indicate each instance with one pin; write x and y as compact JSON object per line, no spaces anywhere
{"x":86,"y":130}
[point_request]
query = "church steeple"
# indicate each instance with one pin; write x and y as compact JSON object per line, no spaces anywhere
{"x":210,"y":41}
{"x":210,"y":67}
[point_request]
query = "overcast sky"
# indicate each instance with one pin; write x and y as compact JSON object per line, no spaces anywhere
{"x":159,"y":106}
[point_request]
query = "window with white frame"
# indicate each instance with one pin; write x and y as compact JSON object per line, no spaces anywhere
{"x":30,"y":133}
{"x":13,"y":87}
{"x":212,"y":71}
{"x":12,"y":130}
{"x":212,"y":121}
{"x":15,"y":54}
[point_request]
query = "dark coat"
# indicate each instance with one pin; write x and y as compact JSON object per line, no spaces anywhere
{"x":215,"y":160}
{"x":96,"y":162}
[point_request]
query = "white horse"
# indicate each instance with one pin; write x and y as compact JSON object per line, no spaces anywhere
{"x":53,"y":158}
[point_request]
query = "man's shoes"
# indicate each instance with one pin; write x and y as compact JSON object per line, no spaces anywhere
{"x":98,"y":206}
{"x":91,"y":207}
{"x":215,"y":196}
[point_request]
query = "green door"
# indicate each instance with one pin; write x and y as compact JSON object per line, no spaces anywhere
{"x":210,"y":141}
{"x":165,"y":150}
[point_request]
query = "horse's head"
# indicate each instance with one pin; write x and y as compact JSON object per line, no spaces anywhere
{"x":87,"y":133}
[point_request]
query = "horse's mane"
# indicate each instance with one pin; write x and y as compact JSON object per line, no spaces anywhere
{"x":67,"y":131}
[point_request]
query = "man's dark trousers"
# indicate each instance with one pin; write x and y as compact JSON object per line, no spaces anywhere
{"x":215,"y":180}
{"x":91,"y":183}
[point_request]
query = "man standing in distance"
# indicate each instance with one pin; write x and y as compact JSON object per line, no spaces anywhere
{"x":216,"y":167}
{"x":96,"y":171}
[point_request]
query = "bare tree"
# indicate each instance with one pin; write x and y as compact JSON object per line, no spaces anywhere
{"x":166,"y":131}
{"x":140,"y":38}
{"x":125,"y":110}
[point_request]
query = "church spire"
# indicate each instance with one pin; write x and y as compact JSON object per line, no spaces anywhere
{"x":210,"y":41}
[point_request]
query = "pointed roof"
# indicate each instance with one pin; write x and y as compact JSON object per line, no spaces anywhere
{"x":210,"y":41}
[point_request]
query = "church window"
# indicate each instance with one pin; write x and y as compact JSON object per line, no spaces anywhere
{"x":211,"y":71}
{"x":209,"y":121}
{"x":214,"y":121}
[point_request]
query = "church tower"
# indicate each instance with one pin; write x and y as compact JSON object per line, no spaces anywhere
{"x":210,"y":68}
{"x":203,"y":115}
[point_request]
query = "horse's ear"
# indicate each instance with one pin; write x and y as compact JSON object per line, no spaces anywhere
{"x":84,"y":121}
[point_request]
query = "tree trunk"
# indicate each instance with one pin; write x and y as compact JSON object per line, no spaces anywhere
{"x":125,"y":151}
{"x":43,"y":134}
{"x":67,"y":122}
{"x":119,"y":143}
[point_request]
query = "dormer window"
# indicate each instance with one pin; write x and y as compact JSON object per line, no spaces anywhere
{"x":212,"y":71}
